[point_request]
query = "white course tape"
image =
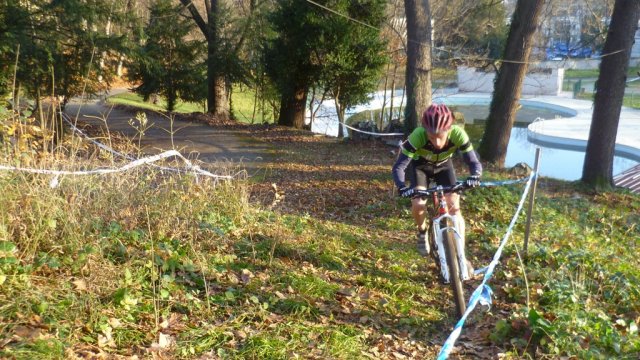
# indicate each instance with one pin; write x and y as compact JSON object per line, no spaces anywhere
{"x":139,"y":162}
{"x":482,"y":294}
{"x":372,"y":133}
{"x":65,"y":117}
{"x":110,"y":150}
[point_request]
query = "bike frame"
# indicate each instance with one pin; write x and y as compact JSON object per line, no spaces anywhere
{"x":438,"y":232}
{"x":440,"y":214}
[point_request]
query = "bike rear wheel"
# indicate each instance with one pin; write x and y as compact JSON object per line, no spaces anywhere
{"x":454,"y":267}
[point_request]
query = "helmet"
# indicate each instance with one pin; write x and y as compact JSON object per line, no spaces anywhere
{"x":437,"y":118}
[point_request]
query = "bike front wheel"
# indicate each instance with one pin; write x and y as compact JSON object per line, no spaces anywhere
{"x":455,"y":277}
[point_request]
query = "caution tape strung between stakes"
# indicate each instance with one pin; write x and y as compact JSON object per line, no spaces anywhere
{"x":111,"y":150}
{"x":97,"y":143}
{"x":150,"y":160}
{"x":139,"y":162}
{"x":370,"y":133}
{"x":482,"y":294}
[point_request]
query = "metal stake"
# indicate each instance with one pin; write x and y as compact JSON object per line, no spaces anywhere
{"x":531,"y":201}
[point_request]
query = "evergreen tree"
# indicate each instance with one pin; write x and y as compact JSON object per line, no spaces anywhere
{"x":314,"y":46}
{"x":168,"y":62}
{"x":60,"y":43}
{"x":355,"y":62}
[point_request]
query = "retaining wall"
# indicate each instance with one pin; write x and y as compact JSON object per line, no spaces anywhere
{"x":548,"y":82}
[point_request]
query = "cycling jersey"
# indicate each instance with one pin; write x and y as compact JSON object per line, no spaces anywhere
{"x":418,"y":148}
{"x":418,"y":145}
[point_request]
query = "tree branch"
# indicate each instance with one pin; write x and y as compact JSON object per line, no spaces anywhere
{"x":196,"y":17}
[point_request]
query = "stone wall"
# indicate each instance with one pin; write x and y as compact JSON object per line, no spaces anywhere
{"x":544,"y":82}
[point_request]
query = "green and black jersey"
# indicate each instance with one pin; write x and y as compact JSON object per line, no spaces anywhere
{"x":418,"y":148}
{"x":418,"y":145}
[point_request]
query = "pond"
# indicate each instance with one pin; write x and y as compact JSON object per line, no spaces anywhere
{"x":526,"y":114}
{"x":555,"y":162}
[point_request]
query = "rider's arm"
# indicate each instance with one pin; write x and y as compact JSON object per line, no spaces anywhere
{"x":407,"y":152}
{"x":471,"y":159}
{"x":468,"y":154}
{"x":398,"y":170}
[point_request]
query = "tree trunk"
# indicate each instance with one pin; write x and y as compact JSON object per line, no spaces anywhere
{"x":221,"y":94}
{"x":598,"y":162}
{"x":217,"y":99}
{"x":508,"y":83}
{"x":292,"y":108}
{"x":384,"y":98}
{"x":211,"y":77}
{"x":340,"y":114}
{"x":418,"y":73}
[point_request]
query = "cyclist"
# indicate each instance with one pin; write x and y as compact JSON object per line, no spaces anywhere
{"x":426,"y":155}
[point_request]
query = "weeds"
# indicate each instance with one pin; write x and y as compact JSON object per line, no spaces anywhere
{"x":147,"y":263}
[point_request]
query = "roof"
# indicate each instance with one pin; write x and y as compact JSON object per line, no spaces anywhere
{"x":629,"y":179}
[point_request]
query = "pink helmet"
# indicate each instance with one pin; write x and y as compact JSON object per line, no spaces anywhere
{"x":437,"y":118}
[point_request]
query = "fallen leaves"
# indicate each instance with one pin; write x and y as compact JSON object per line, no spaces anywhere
{"x":79,"y":284}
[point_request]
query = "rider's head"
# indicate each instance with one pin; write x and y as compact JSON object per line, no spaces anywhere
{"x":437,"y":119}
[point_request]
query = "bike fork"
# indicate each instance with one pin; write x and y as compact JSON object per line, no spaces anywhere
{"x":439,"y":236}
{"x":462,"y":257}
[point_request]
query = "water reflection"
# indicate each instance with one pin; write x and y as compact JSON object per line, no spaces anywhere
{"x":555,"y":163}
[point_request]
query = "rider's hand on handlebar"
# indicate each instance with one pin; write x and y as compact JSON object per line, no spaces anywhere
{"x":406,"y":191}
{"x":472,"y":181}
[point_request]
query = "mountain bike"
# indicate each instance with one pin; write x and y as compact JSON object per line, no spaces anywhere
{"x":445,"y":243}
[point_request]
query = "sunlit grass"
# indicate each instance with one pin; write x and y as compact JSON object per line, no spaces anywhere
{"x":243,"y":110}
{"x":131,"y":99}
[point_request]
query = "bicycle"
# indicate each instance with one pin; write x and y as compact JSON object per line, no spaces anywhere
{"x":445,"y":241}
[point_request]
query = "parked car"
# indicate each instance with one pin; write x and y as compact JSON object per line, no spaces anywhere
{"x":581,"y":52}
{"x":560,"y":51}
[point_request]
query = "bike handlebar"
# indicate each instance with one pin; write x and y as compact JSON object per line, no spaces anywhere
{"x":457,"y":187}
{"x":461,"y":186}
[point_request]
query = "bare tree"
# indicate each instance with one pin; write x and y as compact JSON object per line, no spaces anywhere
{"x":418,"y":78}
{"x":598,"y":162}
{"x":508,"y":83}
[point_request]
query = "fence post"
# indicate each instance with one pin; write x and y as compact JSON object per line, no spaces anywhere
{"x":531,"y":201}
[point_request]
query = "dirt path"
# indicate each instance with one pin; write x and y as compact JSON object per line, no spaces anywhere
{"x":193,"y":139}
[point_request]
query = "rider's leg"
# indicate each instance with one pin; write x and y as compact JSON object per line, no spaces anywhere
{"x":419,"y":212}
{"x":418,"y":209}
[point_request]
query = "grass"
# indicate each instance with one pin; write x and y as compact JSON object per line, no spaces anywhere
{"x":243,"y":100}
{"x":593,"y":73}
{"x":131,"y":99}
{"x":629,"y":100}
{"x":440,"y":77}
{"x":242,"y":108}
{"x":186,"y":269}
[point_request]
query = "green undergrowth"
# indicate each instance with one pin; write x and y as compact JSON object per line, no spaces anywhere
{"x":583,"y":277}
{"x":132,"y":99}
{"x":150,"y":264}
{"x":143,"y":263}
